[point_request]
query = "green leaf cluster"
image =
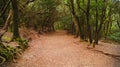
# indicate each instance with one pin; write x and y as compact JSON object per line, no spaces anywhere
{"x":7,"y":53}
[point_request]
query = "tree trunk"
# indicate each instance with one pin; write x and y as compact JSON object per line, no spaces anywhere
{"x":15,"y":19}
{"x":75,"y":18}
{"x":96,"y":35}
{"x":118,"y":24}
{"x":5,"y":27}
{"x":81,"y":24}
{"x":101,"y":22}
{"x":88,"y":24}
{"x":7,"y":23}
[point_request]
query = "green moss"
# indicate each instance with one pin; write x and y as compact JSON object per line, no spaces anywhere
{"x":6,"y":38}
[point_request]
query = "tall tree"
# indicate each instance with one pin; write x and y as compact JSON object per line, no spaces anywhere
{"x":88,"y":21}
{"x":102,"y":19}
{"x":75,"y":18}
{"x":15,"y":19}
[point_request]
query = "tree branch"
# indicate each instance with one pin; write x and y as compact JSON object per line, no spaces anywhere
{"x":79,"y":7}
{"x":4,"y":9}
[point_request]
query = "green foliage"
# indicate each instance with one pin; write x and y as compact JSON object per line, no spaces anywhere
{"x":115,"y":37}
{"x":2,"y":60}
{"x":23,"y":44}
{"x":64,"y":23}
{"x":40,"y":14}
{"x":7,"y":53}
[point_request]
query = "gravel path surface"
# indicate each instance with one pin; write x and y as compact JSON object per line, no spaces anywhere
{"x":62,"y":50}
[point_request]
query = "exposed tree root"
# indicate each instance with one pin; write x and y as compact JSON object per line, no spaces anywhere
{"x":107,"y":54}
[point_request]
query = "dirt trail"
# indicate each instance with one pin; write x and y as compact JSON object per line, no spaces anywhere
{"x":62,"y":50}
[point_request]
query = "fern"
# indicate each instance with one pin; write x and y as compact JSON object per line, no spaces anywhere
{"x":2,"y":60}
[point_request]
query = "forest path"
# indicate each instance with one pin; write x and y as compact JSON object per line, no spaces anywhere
{"x":61,"y":50}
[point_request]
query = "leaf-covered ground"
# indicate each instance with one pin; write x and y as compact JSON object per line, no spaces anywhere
{"x":61,"y":50}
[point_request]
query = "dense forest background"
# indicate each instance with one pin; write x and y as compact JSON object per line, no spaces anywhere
{"x":91,"y":20}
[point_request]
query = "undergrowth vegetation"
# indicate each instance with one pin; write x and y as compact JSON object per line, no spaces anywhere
{"x":8,"y":53}
{"x":23,"y":44}
{"x":115,"y":37}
